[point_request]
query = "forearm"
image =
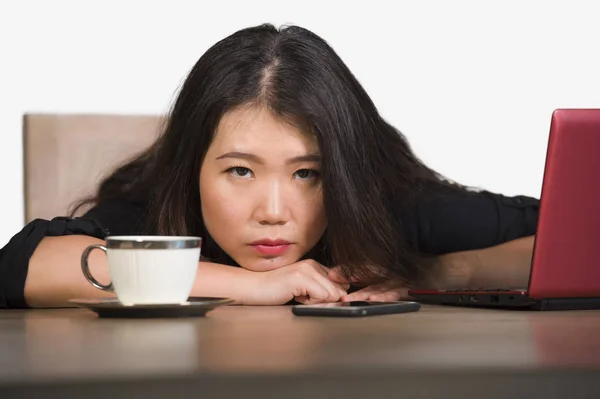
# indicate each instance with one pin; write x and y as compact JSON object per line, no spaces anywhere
{"x":503,"y":265}
{"x":55,"y":274}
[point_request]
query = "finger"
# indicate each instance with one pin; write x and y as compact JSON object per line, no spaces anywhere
{"x":336,"y":291}
{"x":302,"y":299}
{"x":364,"y":293}
{"x":324,"y":290}
{"x":396,"y":293}
{"x":310,"y":288}
{"x":389,"y":296}
{"x":321,"y":288}
{"x":339,"y":289}
{"x":342,"y":286}
{"x":340,"y":283}
{"x":334,"y":274}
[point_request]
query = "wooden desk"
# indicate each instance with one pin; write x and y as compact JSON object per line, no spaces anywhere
{"x":266,"y":352}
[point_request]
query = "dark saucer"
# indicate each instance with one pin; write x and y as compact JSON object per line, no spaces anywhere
{"x":111,"y":307}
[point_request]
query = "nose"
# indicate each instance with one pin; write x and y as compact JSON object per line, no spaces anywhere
{"x":272,"y":209}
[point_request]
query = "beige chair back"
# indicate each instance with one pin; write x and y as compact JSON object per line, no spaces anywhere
{"x":66,"y":156}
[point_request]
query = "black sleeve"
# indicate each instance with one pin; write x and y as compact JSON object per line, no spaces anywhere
{"x":14,"y":256}
{"x":464,"y":221}
{"x":114,"y":218}
{"x":119,"y":217}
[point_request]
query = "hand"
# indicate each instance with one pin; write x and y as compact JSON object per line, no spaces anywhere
{"x":305,"y":281}
{"x":382,"y":292}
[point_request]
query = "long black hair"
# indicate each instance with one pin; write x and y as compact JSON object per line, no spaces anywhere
{"x":368,"y":168}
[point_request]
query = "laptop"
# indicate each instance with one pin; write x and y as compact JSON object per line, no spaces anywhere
{"x":565,"y":269}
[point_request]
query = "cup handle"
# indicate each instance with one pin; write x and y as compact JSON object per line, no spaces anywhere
{"x":86,"y":269}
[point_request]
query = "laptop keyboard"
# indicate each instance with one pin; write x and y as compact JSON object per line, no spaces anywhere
{"x":486,"y":290}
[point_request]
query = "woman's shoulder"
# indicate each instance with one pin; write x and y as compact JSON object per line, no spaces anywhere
{"x":119,"y":217}
{"x":466,"y":197}
{"x":457,"y":220}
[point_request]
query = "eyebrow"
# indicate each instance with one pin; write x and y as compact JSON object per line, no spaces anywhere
{"x":256,"y":159}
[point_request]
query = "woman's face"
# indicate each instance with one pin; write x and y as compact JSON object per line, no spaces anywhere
{"x":261,"y":190}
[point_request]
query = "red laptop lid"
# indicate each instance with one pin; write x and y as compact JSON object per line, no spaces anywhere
{"x":566,"y":262}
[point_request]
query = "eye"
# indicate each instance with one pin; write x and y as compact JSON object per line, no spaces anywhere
{"x":306,"y":174}
{"x":240,"y":172}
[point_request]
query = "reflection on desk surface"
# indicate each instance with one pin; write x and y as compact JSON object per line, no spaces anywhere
{"x":74,"y":343}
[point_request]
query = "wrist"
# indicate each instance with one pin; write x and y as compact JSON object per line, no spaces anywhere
{"x":224,"y":281}
{"x":245,"y":287}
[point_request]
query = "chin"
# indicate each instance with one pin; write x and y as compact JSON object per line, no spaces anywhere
{"x":267,"y":264}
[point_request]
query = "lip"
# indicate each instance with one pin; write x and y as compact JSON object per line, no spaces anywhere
{"x":270,"y":247}
{"x":270,"y":242}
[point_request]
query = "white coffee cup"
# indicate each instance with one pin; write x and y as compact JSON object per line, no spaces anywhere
{"x":148,"y":269}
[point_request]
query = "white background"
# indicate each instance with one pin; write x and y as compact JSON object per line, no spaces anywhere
{"x":472,"y":84}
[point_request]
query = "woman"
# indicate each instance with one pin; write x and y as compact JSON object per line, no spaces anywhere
{"x":277,"y":157}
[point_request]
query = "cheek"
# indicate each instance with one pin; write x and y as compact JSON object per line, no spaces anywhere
{"x":312,"y":220}
{"x":215,"y":205}
{"x":222,"y":216}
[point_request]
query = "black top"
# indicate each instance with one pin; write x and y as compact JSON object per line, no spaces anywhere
{"x":457,"y":222}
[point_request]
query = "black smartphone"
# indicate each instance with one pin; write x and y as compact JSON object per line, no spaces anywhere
{"x":355,"y":308}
